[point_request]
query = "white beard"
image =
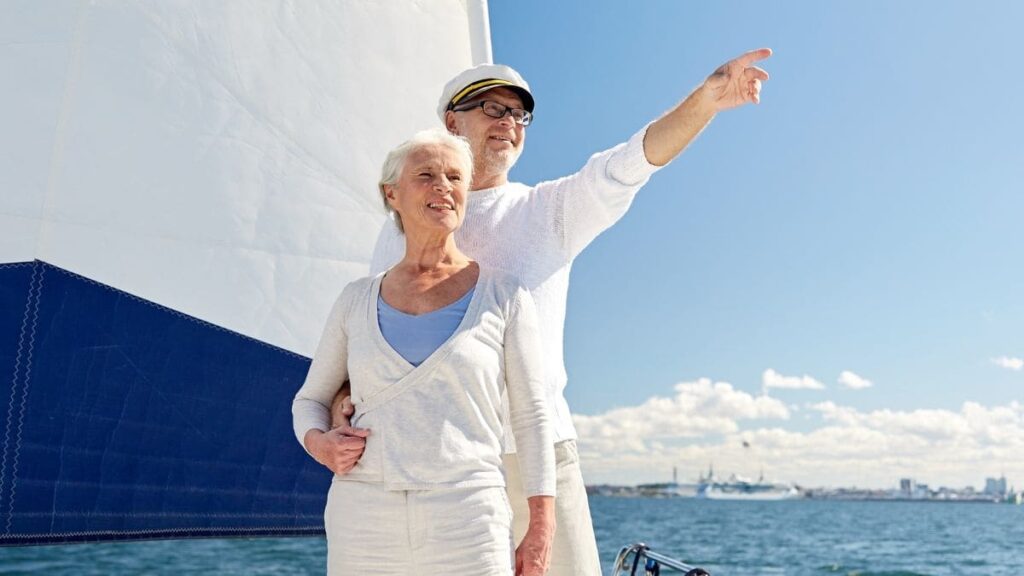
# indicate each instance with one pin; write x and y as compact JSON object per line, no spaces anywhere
{"x":491,"y":162}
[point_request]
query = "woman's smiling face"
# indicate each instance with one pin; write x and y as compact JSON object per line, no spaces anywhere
{"x":430,"y":195}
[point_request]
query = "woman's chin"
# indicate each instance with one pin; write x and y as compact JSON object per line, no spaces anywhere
{"x":445,"y":224}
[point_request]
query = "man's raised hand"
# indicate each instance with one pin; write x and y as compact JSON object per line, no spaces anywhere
{"x":738,"y":81}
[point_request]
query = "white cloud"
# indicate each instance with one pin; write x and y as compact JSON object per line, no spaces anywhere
{"x":707,"y":424}
{"x":772,"y":379}
{"x":1009,"y":363}
{"x":698,"y":409}
{"x":926,"y":424}
{"x":853,"y":381}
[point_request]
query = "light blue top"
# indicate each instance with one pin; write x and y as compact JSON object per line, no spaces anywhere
{"x":415,"y":337}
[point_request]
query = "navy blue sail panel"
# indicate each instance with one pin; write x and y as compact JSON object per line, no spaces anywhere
{"x":121,"y":419}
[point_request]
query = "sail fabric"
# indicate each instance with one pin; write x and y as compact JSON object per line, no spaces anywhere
{"x":111,"y":433}
{"x":184,"y":189}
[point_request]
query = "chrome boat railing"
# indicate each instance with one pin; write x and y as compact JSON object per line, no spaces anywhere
{"x":649,"y":563}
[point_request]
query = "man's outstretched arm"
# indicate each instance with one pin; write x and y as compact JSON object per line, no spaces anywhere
{"x":735,"y":83}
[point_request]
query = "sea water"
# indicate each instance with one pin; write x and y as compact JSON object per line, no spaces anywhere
{"x":796,"y":537}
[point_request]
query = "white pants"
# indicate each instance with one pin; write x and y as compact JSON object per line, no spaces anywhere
{"x":574,"y":552}
{"x":375,"y":531}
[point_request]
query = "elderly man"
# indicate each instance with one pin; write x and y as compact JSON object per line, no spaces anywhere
{"x":536,"y":232}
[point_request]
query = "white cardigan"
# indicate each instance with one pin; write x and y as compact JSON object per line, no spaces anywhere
{"x":438,"y":424}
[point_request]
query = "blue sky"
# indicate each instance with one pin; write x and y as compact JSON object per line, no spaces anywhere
{"x":866,"y":217}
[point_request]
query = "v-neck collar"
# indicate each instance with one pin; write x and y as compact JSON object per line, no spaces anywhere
{"x":443,"y":350}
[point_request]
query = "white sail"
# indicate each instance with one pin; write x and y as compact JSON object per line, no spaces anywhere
{"x":217,"y":158}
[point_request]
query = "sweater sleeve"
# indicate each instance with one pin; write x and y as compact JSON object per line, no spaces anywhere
{"x":328,"y":371}
{"x":583,"y":205}
{"x":529,"y":407}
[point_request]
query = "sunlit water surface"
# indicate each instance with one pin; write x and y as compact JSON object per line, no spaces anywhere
{"x":728,"y":538}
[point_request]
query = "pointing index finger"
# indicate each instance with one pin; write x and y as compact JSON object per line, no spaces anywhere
{"x":753,"y":56}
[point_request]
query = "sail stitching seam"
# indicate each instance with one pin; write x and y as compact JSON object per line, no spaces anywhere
{"x":163,"y":515}
{"x":179,"y":314}
{"x":31,"y":313}
{"x":166,"y":531}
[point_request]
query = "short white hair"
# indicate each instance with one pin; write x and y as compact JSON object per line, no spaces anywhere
{"x":394,"y":163}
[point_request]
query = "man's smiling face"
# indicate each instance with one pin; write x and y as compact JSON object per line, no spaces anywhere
{"x":496,"y":142}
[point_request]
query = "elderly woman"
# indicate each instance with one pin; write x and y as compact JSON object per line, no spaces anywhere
{"x":431,"y":347}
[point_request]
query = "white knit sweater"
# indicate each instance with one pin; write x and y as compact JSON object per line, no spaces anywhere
{"x":536,"y":233}
{"x":438,"y":424}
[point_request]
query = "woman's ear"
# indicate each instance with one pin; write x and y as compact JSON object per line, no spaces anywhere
{"x":389,"y":193}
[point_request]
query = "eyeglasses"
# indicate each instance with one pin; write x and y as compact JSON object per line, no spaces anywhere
{"x":496,"y":110}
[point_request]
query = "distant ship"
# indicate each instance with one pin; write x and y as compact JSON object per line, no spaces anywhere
{"x":740,"y":488}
